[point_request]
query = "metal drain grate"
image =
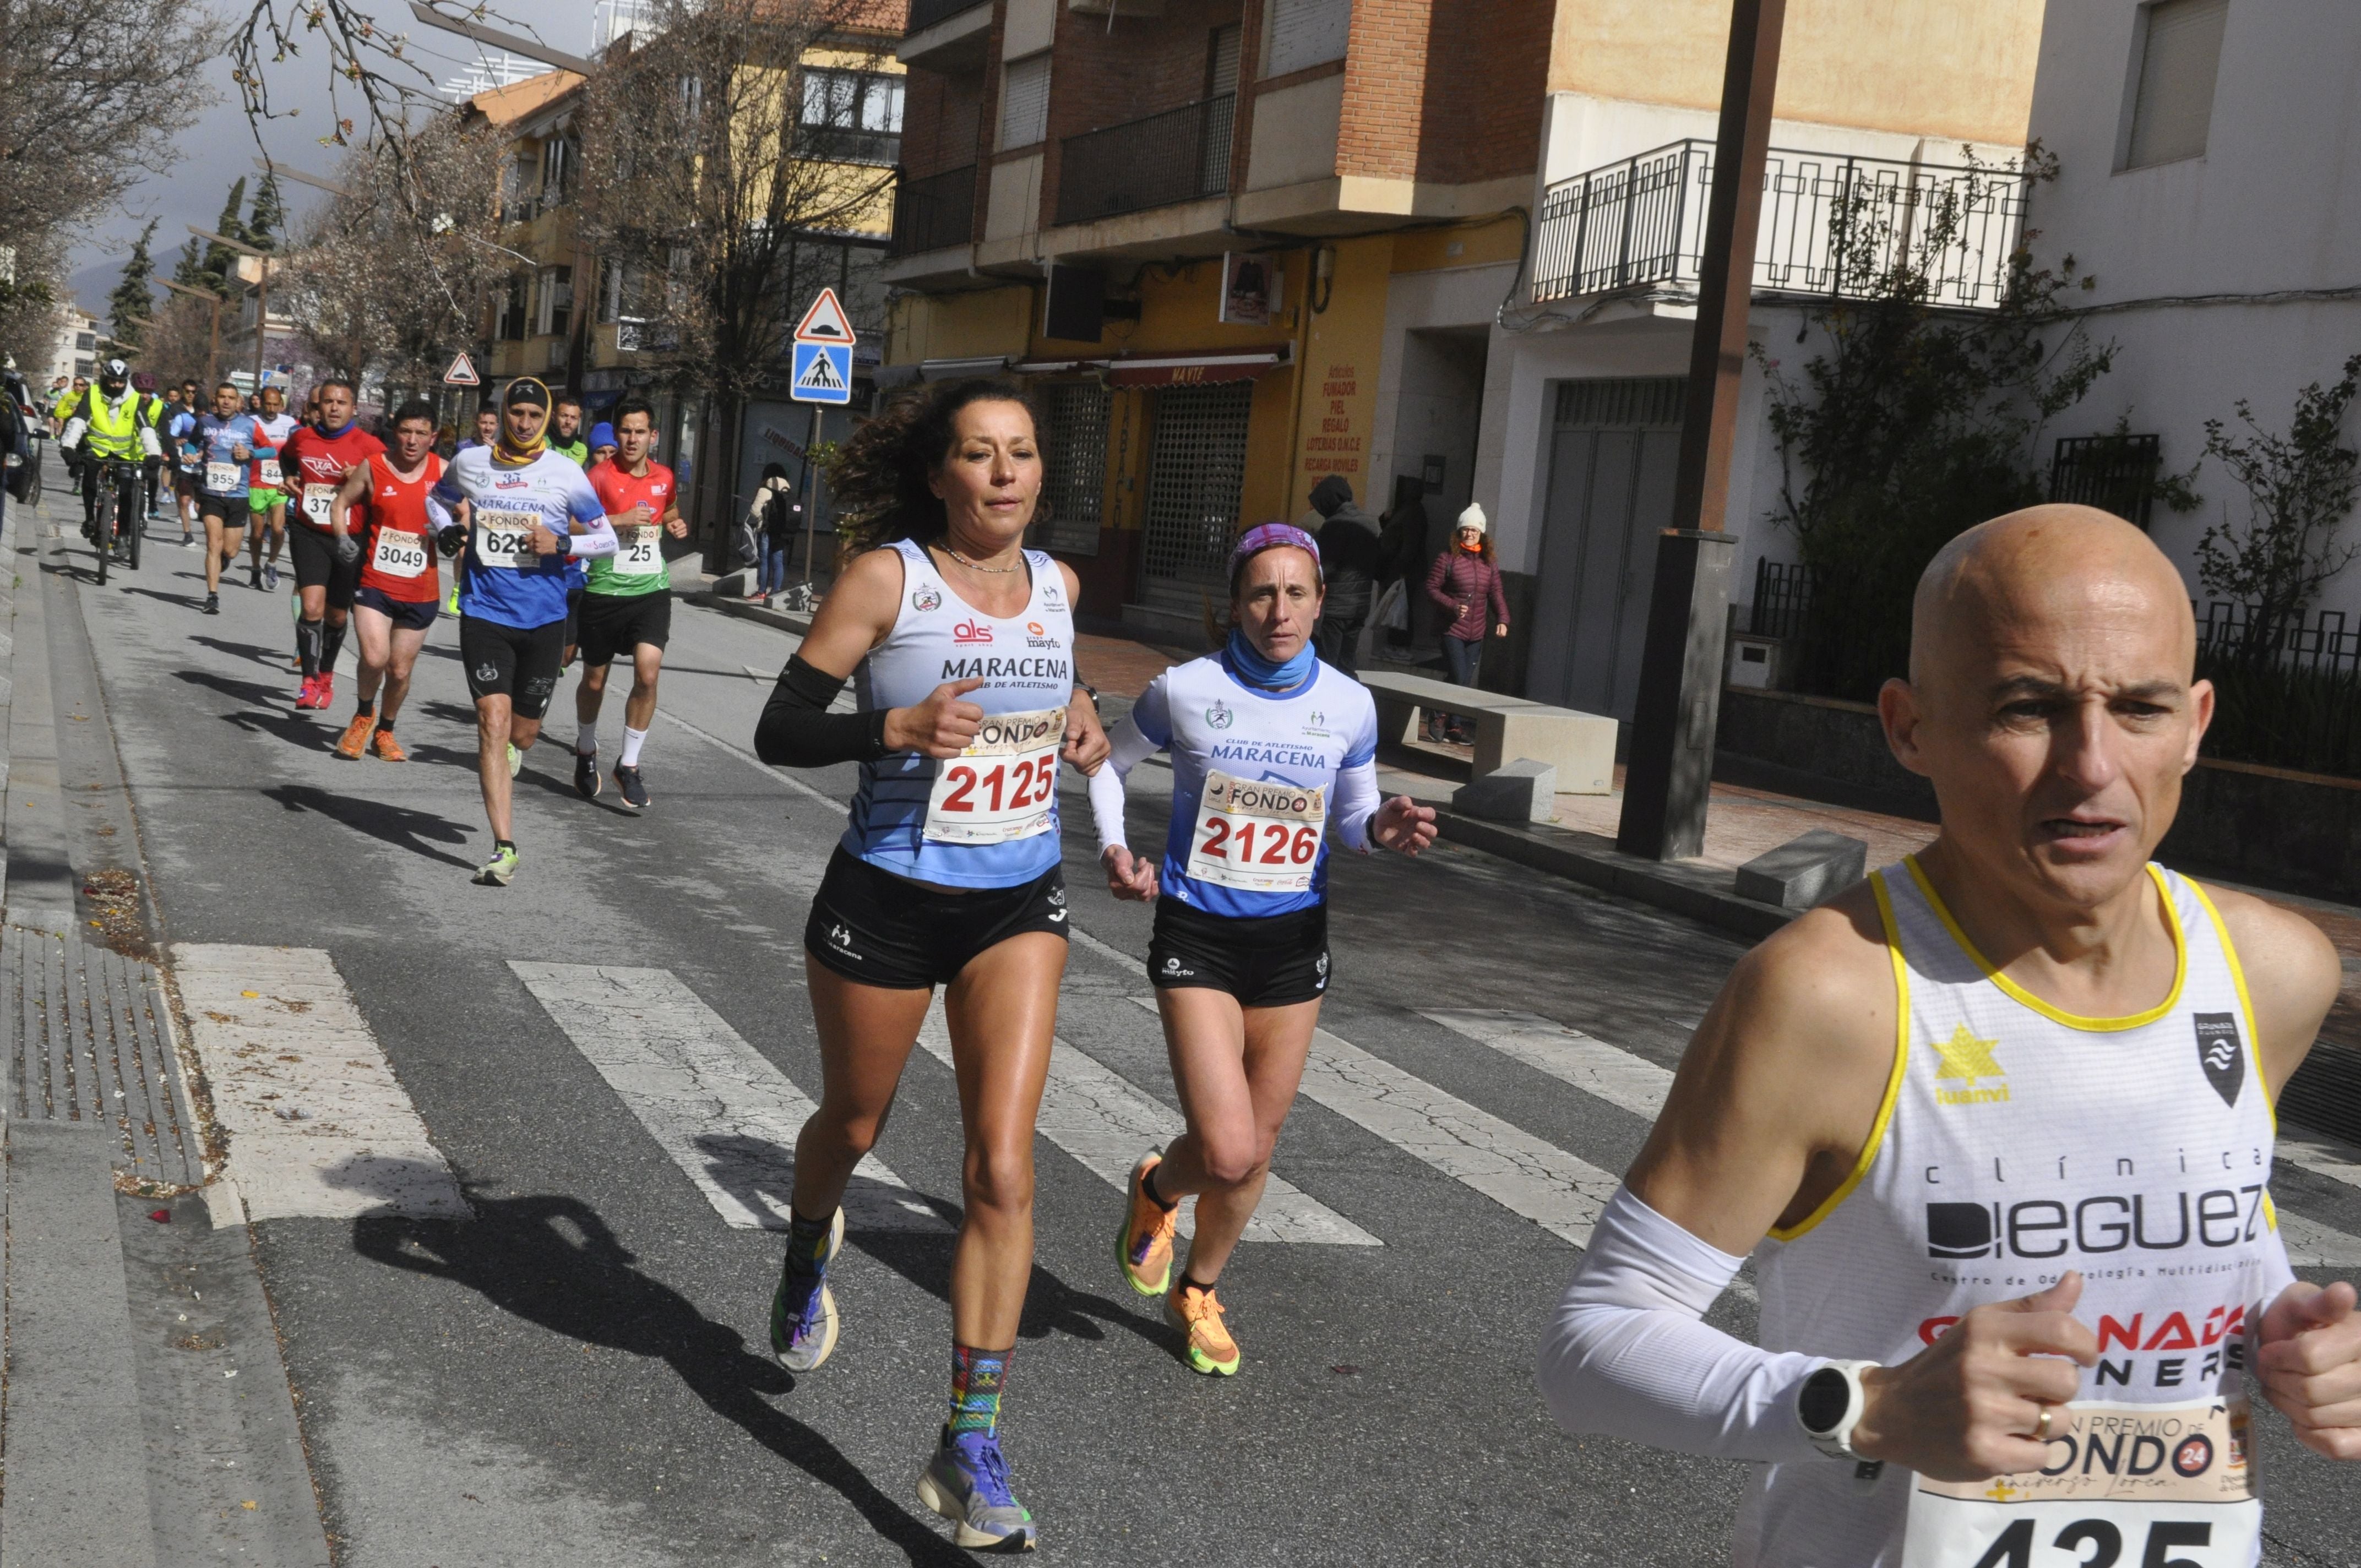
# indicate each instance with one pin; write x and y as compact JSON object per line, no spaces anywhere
{"x":89,"y":1041}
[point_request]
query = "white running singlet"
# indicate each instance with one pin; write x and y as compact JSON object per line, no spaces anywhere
{"x":2015,"y":1142}
{"x":988,"y":818}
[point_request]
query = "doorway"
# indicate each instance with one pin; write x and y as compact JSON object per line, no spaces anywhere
{"x":1614,"y":447}
{"x":1440,"y":411}
{"x":1196,"y":479}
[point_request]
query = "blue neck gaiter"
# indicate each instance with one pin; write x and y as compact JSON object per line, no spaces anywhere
{"x":1251,"y":667}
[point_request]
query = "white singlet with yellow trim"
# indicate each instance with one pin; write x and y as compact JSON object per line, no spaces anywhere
{"x":2015,"y":1142}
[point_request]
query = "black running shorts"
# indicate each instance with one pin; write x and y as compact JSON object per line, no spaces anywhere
{"x":518,"y":663}
{"x":1270,"y":961}
{"x":410,"y":615}
{"x":879,"y":929}
{"x":317,"y":566}
{"x":612,"y":625}
{"x":230,"y":510}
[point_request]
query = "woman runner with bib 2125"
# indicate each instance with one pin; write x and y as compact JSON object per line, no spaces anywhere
{"x":1273,"y":753}
{"x":960,"y":644}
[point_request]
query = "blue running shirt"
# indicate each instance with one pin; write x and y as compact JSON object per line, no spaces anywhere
{"x":503,"y":580}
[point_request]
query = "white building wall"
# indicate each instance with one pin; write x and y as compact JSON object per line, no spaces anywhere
{"x":2273,"y":207}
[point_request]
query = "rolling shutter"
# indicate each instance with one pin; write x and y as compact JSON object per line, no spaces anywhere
{"x":1024,"y":102}
{"x":2179,"y":59}
{"x":1306,"y":33}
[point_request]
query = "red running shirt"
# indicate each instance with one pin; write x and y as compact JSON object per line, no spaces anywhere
{"x":620,"y":491}
{"x":398,"y":548}
{"x":315,"y":465}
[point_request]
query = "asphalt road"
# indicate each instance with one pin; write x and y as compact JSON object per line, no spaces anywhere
{"x":579,"y":1373}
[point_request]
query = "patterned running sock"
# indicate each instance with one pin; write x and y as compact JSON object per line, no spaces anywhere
{"x":807,"y":1239}
{"x":977,"y":1377}
{"x":307,"y":646}
{"x":331,"y":643}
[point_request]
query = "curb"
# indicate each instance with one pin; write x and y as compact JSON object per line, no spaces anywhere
{"x":797,"y":622}
{"x":1700,"y":891}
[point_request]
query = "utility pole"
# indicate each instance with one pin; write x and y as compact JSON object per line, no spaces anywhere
{"x":1670,"y":774}
{"x":262,"y":294}
{"x":213,"y":334}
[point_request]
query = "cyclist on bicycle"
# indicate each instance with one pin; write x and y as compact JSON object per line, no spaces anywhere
{"x":109,"y":421}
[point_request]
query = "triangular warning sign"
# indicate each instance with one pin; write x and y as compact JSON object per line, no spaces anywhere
{"x":462,"y":373}
{"x":821,"y":374}
{"x":825,"y":322}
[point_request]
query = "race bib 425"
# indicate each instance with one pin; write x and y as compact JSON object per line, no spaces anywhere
{"x":1004,"y":786}
{"x":2126,"y":1487}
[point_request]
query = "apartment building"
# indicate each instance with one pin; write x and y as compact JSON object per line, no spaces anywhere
{"x":1183,"y":221}
{"x":2202,"y":181}
{"x":560,"y":314}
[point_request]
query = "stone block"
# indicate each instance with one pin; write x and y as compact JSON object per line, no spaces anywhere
{"x":1522,"y":791}
{"x":1805,"y":871}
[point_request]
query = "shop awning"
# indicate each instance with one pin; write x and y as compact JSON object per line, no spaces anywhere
{"x":1193,"y":369}
{"x":953,"y":369}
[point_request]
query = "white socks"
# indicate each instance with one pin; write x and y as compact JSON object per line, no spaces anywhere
{"x":633,"y":741}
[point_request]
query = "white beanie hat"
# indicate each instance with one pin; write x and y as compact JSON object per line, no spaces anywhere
{"x":1473,"y":517}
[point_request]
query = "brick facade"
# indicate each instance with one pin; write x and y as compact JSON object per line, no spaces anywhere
{"x":1100,"y":76}
{"x":1445,"y":91}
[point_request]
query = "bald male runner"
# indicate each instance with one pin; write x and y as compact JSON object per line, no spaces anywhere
{"x":1997,"y":1127}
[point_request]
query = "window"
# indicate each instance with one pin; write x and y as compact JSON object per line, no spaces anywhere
{"x":1024,"y":102}
{"x":557,"y":170}
{"x":855,"y":116}
{"x":2172,"y":95}
{"x":1306,"y":33}
{"x":554,"y":301}
{"x":611,"y":291}
{"x":1221,"y":61}
{"x":86,"y":342}
{"x":692,"y":98}
{"x":510,"y":303}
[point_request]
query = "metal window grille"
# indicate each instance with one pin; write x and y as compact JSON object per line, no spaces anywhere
{"x":2114,"y":473}
{"x":1620,"y":402}
{"x":1196,"y":479}
{"x":1782,"y":595}
{"x":1076,"y":459}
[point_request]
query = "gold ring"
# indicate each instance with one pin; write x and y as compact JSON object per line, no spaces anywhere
{"x":2041,"y":1427}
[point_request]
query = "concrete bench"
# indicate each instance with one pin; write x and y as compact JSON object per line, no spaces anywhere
{"x":1580,"y":746}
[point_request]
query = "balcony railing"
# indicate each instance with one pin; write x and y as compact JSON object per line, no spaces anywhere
{"x":935,"y":212}
{"x":1831,"y":225}
{"x":924,"y":13}
{"x":1177,"y":155}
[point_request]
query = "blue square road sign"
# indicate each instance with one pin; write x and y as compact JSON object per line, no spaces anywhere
{"x":823,"y":373}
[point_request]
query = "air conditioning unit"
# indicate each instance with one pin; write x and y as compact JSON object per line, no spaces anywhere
{"x":558,"y":349}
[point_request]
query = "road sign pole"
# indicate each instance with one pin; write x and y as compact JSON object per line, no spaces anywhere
{"x":811,"y":505}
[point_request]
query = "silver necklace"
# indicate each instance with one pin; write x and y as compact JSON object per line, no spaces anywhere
{"x":980,"y":567}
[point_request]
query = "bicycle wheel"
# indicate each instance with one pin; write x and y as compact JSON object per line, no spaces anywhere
{"x":102,"y":524}
{"x":134,"y":532}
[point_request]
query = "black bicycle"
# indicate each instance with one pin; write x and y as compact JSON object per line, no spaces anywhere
{"x":116,"y":517}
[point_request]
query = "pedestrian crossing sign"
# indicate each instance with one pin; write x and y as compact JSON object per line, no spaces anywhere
{"x":823,"y":373}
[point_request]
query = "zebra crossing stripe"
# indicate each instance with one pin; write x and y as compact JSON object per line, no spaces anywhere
{"x":1639,"y":1086}
{"x":1609,"y":1072}
{"x":718,"y":1106}
{"x":319,"y":1127}
{"x":1100,"y":1118}
{"x":1536,"y":1181}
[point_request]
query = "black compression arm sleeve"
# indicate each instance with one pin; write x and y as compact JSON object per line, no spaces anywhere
{"x":797,"y":730}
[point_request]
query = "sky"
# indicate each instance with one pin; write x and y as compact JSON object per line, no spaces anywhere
{"x":219,"y":147}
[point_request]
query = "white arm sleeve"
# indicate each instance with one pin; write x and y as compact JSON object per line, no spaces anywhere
{"x":1355,"y":803}
{"x":1627,"y":1353}
{"x":437,"y":512}
{"x":597,"y":539}
{"x":1127,"y":746}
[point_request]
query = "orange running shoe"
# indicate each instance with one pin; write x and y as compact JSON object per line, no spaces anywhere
{"x":1144,"y":1246}
{"x":355,"y":738}
{"x":1198,"y":1314}
{"x":387,"y":749}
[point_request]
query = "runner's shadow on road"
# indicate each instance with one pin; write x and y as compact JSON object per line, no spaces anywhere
{"x":552,"y":1260}
{"x":275,"y":658}
{"x":229,"y":685}
{"x":395,"y":824}
{"x":188,"y":601}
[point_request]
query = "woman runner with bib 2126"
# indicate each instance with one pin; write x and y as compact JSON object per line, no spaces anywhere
{"x":960,"y":644}
{"x":1273,"y":753}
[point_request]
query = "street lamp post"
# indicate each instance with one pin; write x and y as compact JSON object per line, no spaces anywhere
{"x":262,"y":296}
{"x":1670,"y":774}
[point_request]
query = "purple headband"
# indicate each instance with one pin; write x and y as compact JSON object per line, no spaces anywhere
{"x":1267,"y":536}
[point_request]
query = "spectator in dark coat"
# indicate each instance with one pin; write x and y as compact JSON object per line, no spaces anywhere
{"x":1401,"y":541}
{"x":1464,"y":583}
{"x":1351,"y":563}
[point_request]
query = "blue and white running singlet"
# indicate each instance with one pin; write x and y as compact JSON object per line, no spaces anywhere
{"x":987,"y":818}
{"x":1260,"y":779}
